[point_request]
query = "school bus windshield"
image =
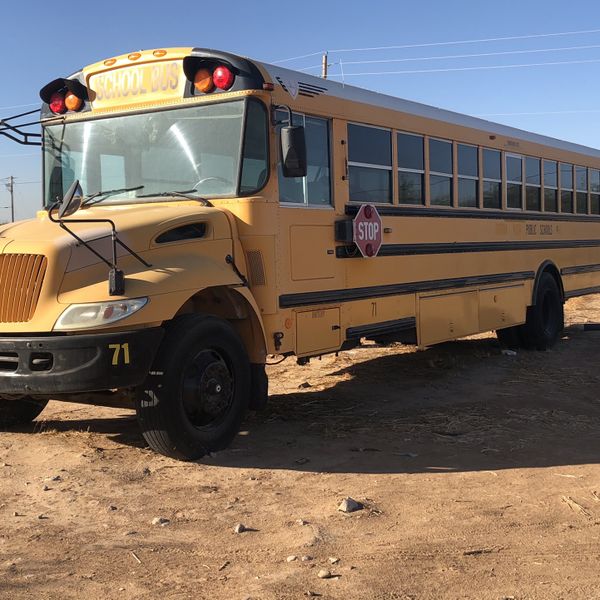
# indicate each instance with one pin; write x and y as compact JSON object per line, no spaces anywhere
{"x":195,"y":149}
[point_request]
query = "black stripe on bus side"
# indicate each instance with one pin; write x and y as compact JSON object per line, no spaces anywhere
{"x":382,"y":328}
{"x":350,"y":251}
{"x":462,"y":213}
{"x":582,"y":292}
{"x":396,"y":289}
{"x":580,"y":269}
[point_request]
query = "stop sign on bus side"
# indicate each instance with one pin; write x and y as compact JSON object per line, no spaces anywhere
{"x":367,"y":230}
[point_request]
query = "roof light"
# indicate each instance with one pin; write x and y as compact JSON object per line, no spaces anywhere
{"x":203,"y":81}
{"x":57,"y":103}
{"x":223,"y":78}
{"x":73,"y":102}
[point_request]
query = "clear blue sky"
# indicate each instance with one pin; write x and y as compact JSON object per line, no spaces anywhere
{"x":41,"y":41}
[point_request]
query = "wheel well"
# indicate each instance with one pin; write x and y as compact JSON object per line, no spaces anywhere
{"x":548,"y":267}
{"x":228,"y":304}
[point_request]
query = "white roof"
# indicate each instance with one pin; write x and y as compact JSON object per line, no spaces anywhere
{"x":296,"y":82}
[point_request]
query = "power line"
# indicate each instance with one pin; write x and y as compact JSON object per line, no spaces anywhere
{"x":482,"y":68}
{"x":478,"y":55}
{"x":447,"y":43}
{"x":474,"y":41}
{"x":19,"y":106}
{"x":543,"y":112}
{"x":276,"y":62}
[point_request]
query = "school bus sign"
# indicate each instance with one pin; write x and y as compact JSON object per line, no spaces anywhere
{"x":367,"y":230}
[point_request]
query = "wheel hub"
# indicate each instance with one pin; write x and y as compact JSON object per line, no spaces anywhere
{"x":207,"y":388}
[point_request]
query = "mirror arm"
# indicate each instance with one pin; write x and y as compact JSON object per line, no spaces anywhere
{"x":277,"y":107}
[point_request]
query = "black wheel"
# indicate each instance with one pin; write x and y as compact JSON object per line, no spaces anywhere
{"x":198,"y":389}
{"x":20,"y":412}
{"x":260,"y":387}
{"x":545,"y":319}
{"x":509,"y":337}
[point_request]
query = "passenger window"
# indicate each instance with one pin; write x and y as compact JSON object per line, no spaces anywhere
{"x":410,"y":169}
{"x":595,"y":191}
{"x":581,"y":183}
{"x":468,"y":172}
{"x":533,"y":184}
{"x":440,"y":173}
{"x":370,"y":163}
{"x":550,"y":186}
{"x":492,"y":179}
{"x":566,"y":188}
{"x":315,"y":188}
{"x":514,"y":179}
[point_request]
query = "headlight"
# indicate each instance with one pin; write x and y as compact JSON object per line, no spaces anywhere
{"x":84,"y":316}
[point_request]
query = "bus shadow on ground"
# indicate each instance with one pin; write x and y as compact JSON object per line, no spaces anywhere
{"x":461,"y":406}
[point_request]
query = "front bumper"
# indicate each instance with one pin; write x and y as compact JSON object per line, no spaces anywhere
{"x":76,"y":363}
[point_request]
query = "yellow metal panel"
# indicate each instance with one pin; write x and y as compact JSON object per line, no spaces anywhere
{"x":312,"y":252}
{"x":317,"y":331}
{"x":447,"y":316}
{"x":502,"y":307}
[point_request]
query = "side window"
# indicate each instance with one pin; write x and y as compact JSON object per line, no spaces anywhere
{"x":411,"y":169}
{"x":369,"y":163}
{"x":255,"y":154}
{"x":581,"y":183}
{"x":440,"y":172}
{"x":468,"y":173}
{"x":533,"y":184}
{"x":514,"y":181}
{"x":315,"y":188}
{"x":566,"y":188}
{"x":550,"y":186}
{"x":492,"y":179}
{"x":595,"y":191}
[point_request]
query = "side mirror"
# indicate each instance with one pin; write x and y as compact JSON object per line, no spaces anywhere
{"x":71,"y":200}
{"x":293,"y":151}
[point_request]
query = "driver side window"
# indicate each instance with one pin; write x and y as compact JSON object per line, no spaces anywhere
{"x":314,"y":189}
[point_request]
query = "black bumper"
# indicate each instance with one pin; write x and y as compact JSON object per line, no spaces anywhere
{"x":76,"y":363}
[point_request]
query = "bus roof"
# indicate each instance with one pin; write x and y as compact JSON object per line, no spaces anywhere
{"x":309,"y":85}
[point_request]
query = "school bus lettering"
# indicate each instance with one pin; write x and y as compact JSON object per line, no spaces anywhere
{"x":208,"y":250}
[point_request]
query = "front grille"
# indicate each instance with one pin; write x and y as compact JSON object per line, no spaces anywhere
{"x":21,"y":278}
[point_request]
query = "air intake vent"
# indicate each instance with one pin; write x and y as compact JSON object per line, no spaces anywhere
{"x":21,"y":278}
{"x":256,"y":268}
{"x":183,"y":232}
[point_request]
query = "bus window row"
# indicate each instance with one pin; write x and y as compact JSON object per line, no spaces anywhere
{"x":428,"y":169}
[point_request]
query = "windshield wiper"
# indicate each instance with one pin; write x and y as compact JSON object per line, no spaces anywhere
{"x":104,"y":194}
{"x":189,"y":194}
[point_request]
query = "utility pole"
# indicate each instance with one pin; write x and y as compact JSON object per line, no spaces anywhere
{"x":10,"y":186}
{"x":324,"y":66}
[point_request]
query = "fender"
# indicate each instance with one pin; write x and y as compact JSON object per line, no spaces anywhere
{"x":550,"y":267}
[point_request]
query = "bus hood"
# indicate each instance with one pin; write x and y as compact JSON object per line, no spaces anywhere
{"x":137,"y":225}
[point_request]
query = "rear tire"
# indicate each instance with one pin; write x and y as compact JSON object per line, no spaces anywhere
{"x":194,"y":399}
{"x":20,"y":412}
{"x":509,"y":337}
{"x":545,"y":319}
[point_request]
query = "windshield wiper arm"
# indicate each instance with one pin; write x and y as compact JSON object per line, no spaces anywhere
{"x":106,"y":193}
{"x":189,"y":194}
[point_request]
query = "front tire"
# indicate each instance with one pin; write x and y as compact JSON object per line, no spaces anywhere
{"x":20,"y":412}
{"x":194,"y":399}
{"x":545,"y":319}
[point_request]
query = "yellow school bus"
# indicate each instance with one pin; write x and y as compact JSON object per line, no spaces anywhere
{"x":203,"y":211}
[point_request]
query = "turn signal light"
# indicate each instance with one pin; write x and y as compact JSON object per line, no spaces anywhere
{"x":223,"y":78}
{"x":73,"y":102}
{"x":57,"y":103}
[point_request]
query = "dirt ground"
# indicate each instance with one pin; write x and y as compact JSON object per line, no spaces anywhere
{"x":478,"y":473}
